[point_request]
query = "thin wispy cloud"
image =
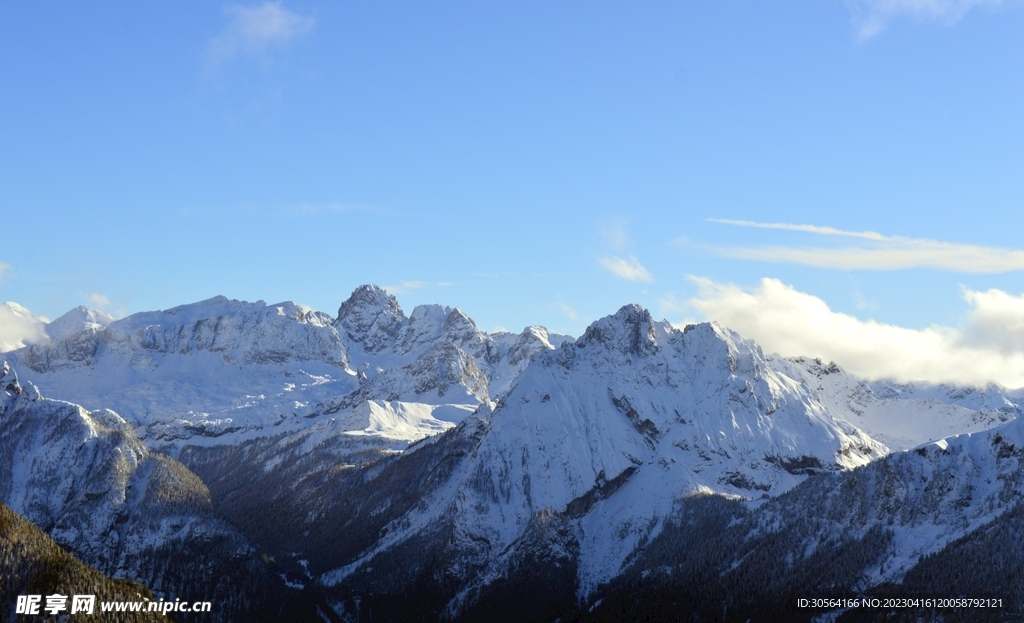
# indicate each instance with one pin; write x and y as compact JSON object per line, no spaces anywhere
{"x":3,"y":270}
{"x":103,"y":303}
{"x":569,"y":312}
{"x":988,"y":348}
{"x":405,"y":287}
{"x":616,"y":233}
{"x":315,"y":209}
{"x":628,"y":268}
{"x":255,"y":31}
{"x":99,"y":301}
{"x":505,"y":273}
{"x":873,"y":16}
{"x":811,"y":229}
{"x":885,"y":252}
{"x":670,"y":306}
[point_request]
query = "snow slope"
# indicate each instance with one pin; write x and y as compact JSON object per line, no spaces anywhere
{"x":87,"y":480}
{"x":928,"y":496}
{"x":608,"y":431}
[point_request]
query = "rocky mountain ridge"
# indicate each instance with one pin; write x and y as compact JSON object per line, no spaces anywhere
{"x":224,"y":371}
{"x":378,"y":456}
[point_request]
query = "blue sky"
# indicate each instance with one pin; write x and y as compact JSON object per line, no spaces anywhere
{"x":530,"y":163}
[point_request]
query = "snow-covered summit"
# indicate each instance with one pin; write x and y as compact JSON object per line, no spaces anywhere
{"x":370,"y":317}
{"x":235,"y":331}
{"x":630,"y":331}
{"x":925,"y":499}
{"x":77,"y":320}
{"x":198,"y":370}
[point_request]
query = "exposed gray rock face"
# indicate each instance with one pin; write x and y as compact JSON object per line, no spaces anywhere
{"x":371,"y":318}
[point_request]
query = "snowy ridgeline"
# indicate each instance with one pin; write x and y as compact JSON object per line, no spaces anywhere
{"x":581,"y":449}
{"x":611,"y":431}
{"x":224,"y":371}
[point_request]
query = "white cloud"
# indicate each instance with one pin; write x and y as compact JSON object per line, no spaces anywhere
{"x":568,"y":311}
{"x":253,"y":30}
{"x":885,"y":252}
{"x":99,"y":301}
{"x":989,"y":348}
{"x":996,"y":321}
{"x":19,"y":327}
{"x":3,"y":269}
{"x":811,"y":229}
{"x":873,"y":16}
{"x":629,"y":268}
{"x":103,"y":303}
{"x":405,"y":286}
{"x":616,"y":233}
{"x":862,"y":303}
{"x":671,"y":306}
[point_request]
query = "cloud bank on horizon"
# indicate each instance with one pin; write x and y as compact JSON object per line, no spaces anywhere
{"x":19,"y":327}
{"x":988,"y":348}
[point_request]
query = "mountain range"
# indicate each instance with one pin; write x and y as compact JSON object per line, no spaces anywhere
{"x":287,"y":464}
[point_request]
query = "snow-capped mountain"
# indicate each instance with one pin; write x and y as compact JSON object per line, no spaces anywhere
{"x":91,"y":484}
{"x":378,"y":455}
{"x":606,"y":434}
{"x":903,"y":415}
{"x":927,"y":497}
{"x":78,"y":320}
{"x":19,"y":327}
{"x":195,"y":371}
{"x":85,"y":478}
{"x":942,"y":520}
{"x":222,"y":371}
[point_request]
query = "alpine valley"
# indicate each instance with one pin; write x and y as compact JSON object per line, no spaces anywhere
{"x":290,"y":465}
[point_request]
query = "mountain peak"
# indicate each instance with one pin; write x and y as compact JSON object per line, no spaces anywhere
{"x":371,"y":316}
{"x":79,"y":319}
{"x":629,"y":330}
